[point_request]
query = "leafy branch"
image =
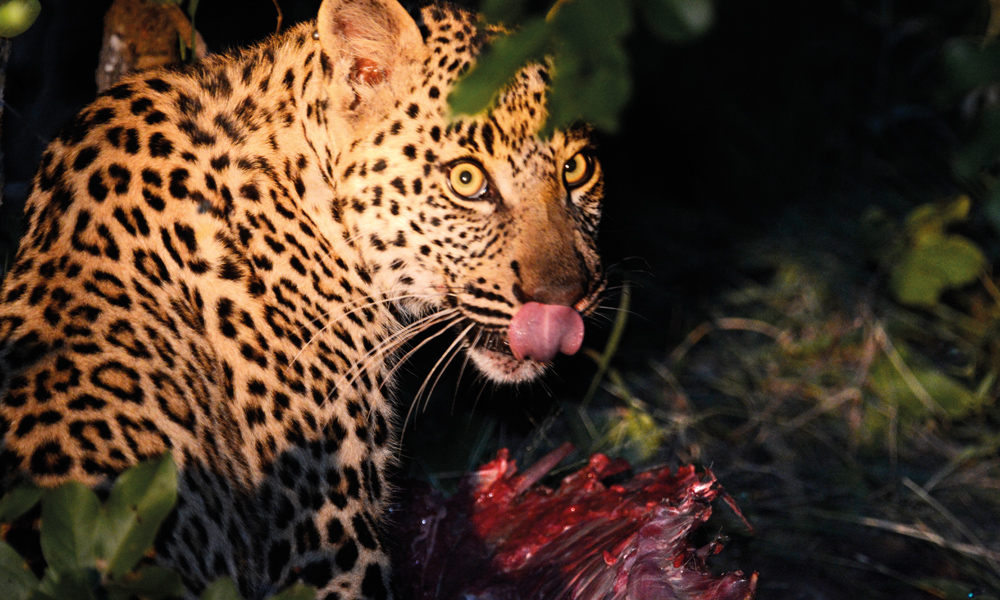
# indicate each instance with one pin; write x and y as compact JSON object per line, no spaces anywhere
{"x":583,"y":40}
{"x":93,"y":551}
{"x":17,"y":15}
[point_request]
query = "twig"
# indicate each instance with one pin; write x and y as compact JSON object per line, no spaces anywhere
{"x":908,"y":377}
{"x":988,"y":284}
{"x":604,"y":361}
{"x":969,"y":454}
{"x":956,"y":523}
{"x":728,"y":324}
{"x":915,"y":532}
{"x":675,"y":384}
{"x":277,"y":8}
{"x":555,"y":8}
{"x":827,"y":404}
{"x":692,"y":338}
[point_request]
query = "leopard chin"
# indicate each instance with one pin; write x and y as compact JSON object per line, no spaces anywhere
{"x":494,"y":359}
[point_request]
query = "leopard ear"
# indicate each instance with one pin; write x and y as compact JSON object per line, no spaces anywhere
{"x":371,"y":39}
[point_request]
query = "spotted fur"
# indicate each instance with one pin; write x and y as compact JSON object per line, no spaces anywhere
{"x":223,"y":261}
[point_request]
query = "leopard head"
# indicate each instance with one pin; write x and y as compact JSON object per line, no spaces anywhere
{"x":479,"y":221}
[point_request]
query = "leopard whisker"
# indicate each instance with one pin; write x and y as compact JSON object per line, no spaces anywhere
{"x":453,"y":349}
{"x":397,"y":339}
{"x":399,"y":363}
{"x":606,"y":308}
{"x":346,"y":314}
{"x":465,"y":364}
{"x":598,"y":314}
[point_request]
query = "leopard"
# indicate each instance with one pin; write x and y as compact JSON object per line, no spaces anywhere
{"x":228,"y":261}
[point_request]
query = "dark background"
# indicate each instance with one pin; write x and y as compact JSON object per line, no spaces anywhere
{"x":785,"y":110}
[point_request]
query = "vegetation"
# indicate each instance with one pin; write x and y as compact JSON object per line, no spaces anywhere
{"x":17,"y":15}
{"x":94,"y":550}
{"x":585,"y":42}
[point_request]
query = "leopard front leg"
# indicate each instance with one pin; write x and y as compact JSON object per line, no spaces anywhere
{"x":324,"y":502}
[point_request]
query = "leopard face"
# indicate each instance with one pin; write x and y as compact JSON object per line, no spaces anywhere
{"x":468,"y":225}
{"x":225,"y":262}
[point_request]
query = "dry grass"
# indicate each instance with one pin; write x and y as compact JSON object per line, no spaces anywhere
{"x":832,"y":420}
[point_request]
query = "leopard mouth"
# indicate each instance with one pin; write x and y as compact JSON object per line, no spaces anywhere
{"x":493,"y":341}
{"x":522,"y":346}
{"x":490,"y":351}
{"x":533,"y":337}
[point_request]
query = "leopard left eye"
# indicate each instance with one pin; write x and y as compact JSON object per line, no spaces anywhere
{"x":578,"y":170}
{"x":468,"y":180}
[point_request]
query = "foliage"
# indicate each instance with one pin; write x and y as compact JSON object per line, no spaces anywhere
{"x":925,"y":261}
{"x":838,"y":412}
{"x":225,"y":589}
{"x":973,"y":70}
{"x":16,"y":16}
{"x":933,"y":261}
{"x":583,"y":40}
{"x":93,"y":550}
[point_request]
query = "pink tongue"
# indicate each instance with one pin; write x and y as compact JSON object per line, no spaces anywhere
{"x":539,"y":331}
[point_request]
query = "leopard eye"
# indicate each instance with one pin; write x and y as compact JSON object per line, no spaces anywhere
{"x":467,"y":180}
{"x":577,"y":170}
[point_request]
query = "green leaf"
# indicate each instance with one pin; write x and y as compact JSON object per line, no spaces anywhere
{"x":969,"y":64}
{"x":956,"y":400}
{"x":149,"y":582}
{"x":938,"y":264}
{"x":678,"y":20}
{"x":590,"y":69}
{"x":221,"y":589}
{"x":587,"y":90}
{"x":948,"y":397}
{"x":69,"y":517}
{"x":585,"y":23}
{"x":16,"y":16}
{"x":634,"y":433}
{"x":19,"y":501}
{"x":71,"y":584}
{"x":296,"y":592}
{"x":140,"y":499}
{"x":931,"y":219}
{"x":502,"y":11}
{"x":477,"y":90}
{"x":585,"y":40}
{"x":934,"y":261}
{"x":16,"y":579}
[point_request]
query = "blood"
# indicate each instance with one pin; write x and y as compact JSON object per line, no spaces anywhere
{"x":504,"y":536}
